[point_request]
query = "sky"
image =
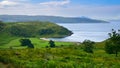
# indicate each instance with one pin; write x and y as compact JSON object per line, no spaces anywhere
{"x":98,"y":9}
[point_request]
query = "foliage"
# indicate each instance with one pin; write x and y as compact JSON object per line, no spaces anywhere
{"x":35,"y":29}
{"x":62,"y":57}
{"x":2,"y":25}
{"x":88,"y":46}
{"x":69,"y":55}
{"x":26,"y":42}
{"x":30,"y":29}
{"x":46,"y":31}
{"x":51,"y":43}
{"x":113,"y":43}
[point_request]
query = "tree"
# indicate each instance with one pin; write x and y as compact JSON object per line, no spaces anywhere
{"x":51,"y":43}
{"x":88,"y":46}
{"x":1,"y":25}
{"x":26,"y":42}
{"x":46,"y":31}
{"x":112,"y":45}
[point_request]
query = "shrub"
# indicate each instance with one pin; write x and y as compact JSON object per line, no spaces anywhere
{"x":26,"y":42}
{"x":88,"y":46}
{"x":113,"y":43}
{"x":51,"y":43}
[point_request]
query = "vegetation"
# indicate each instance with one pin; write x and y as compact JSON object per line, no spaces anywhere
{"x":31,"y":29}
{"x":41,"y":29}
{"x":88,"y":46}
{"x":51,"y":43}
{"x":64,"y":55}
{"x":113,"y":43}
{"x":72,"y":56}
{"x":2,"y":25}
{"x":26,"y":42}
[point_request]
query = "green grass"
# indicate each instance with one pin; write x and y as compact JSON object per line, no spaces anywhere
{"x":62,"y":57}
{"x":5,"y":38}
{"x":36,"y":42}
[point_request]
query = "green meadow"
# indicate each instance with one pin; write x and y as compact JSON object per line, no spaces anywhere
{"x":37,"y":42}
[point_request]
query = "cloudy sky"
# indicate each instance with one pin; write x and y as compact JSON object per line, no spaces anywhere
{"x":100,"y":9}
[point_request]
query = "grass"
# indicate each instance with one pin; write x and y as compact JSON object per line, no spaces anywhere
{"x":36,"y":42}
{"x":62,"y":57}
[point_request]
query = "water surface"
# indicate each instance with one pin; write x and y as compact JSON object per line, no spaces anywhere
{"x":93,"y":31}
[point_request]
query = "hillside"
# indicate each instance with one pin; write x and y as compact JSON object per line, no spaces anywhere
{"x":31,"y":29}
{"x":56,"y":19}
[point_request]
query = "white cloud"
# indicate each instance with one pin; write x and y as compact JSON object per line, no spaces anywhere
{"x":55,"y":3}
{"x":12,"y":3}
{"x":8,"y":3}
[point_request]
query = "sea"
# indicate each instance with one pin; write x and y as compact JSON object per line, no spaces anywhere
{"x":96,"y":32}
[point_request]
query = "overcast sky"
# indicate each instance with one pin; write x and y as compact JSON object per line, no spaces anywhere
{"x":99,"y":9}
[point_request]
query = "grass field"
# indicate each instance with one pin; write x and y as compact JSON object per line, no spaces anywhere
{"x":62,"y":57}
{"x":65,"y":55}
{"x":38,"y":43}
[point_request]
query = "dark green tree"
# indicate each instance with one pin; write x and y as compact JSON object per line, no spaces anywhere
{"x":52,"y":43}
{"x":88,"y":46}
{"x":112,"y":45}
{"x":2,"y":25}
{"x":26,"y":42}
{"x":45,"y":31}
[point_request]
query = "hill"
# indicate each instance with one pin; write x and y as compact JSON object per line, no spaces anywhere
{"x":56,"y":19}
{"x":115,"y":20}
{"x":31,"y":29}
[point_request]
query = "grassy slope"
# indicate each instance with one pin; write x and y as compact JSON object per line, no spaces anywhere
{"x":62,"y":57}
{"x":5,"y":38}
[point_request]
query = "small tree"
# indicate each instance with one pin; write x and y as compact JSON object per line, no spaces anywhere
{"x":51,"y":43}
{"x":26,"y":42}
{"x":88,"y":46}
{"x":112,"y":45}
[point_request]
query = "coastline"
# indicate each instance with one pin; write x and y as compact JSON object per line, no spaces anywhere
{"x":45,"y":39}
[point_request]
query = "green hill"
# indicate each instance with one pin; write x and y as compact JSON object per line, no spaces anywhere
{"x":31,"y":29}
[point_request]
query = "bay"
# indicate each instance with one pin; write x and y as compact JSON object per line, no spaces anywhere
{"x":92,"y":31}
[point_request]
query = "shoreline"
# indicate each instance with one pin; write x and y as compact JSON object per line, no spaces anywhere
{"x":46,"y":39}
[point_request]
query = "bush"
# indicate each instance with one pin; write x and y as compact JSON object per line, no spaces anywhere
{"x":51,"y":43}
{"x":88,"y":46}
{"x":26,"y":42}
